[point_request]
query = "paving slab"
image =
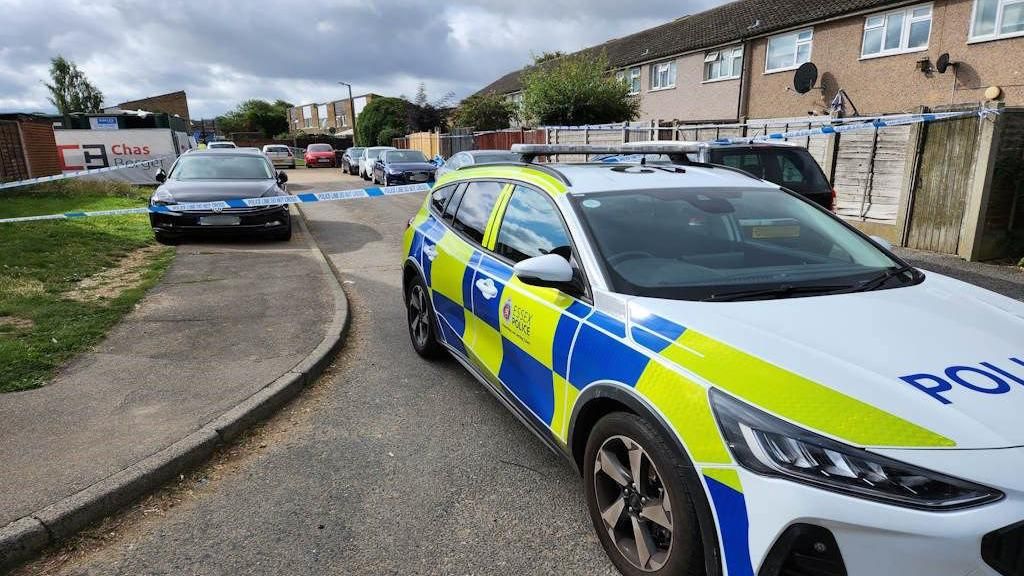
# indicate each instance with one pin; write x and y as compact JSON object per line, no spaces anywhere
{"x":229,"y":319}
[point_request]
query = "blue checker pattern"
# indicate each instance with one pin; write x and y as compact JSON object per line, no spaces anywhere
{"x":597,"y":356}
{"x":528,"y":379}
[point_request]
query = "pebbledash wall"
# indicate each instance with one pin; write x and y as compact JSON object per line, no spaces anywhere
{"x":892,"y":83}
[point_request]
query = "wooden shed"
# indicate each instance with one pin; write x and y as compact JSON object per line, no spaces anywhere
{"x":27,"y":147}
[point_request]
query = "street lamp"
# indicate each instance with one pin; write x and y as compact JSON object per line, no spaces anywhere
{"x":352,"y":109}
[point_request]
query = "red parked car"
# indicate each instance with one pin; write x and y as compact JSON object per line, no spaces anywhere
{"x":319,"y":155}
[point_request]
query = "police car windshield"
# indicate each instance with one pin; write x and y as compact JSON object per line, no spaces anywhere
{"x":697,"y":244}
{"x":221,"y":167}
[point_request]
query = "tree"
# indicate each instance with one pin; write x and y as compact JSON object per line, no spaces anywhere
{"x":382,"y":118}
{"x":425,"y":115}
{"x":257,"y":116}
{"x":545,"y":56}
{"x":488,"y":111}
{"x":577,"y":90}
{"x":71,"y":91}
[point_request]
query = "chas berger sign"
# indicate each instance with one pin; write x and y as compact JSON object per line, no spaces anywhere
{"x":92,"y":149}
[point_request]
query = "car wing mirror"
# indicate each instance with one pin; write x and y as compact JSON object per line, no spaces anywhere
{"x":882,"y":242}
{"x":160,"y":175}
{"x":282,"y":176}
{"x":549,"y":271}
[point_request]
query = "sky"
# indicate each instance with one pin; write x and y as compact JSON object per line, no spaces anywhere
{"x":222,"y":53}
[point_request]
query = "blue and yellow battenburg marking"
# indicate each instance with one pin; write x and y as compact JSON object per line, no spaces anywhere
{"x":546,"y":347}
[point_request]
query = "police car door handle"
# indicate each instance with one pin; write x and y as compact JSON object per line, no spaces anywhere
{"x":430,"y":252}
{"x":487,"y":288}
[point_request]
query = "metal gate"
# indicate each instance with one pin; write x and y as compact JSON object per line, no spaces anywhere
{"x":12,"y":156}
{"x":944,"y":170}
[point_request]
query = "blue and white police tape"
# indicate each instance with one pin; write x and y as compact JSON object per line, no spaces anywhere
{"x":851,"y":126}
{"x":150,"y":163}
{"x":304,"y":198}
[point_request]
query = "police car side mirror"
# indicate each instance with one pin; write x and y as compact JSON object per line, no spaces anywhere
{"x":882,"y":242}
{"x":282,"y":177}
{"x":549,"y":270}
{"x":160,"y":176}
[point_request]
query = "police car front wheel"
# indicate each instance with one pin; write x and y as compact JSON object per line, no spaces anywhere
{"x":638,"y":502}
{"x":422,"y":329}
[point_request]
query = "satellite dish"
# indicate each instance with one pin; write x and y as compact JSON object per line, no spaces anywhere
{"x":805,"y":77}
{"x":943,"y":63}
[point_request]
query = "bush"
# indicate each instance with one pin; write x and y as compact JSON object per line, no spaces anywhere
{"x":387,"y":136}
{"x":380,"y":115}
{"x":576,"y":90}
{"x":484,"y":112}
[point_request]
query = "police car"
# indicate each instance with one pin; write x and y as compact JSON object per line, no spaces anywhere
{"x":747,"y":384}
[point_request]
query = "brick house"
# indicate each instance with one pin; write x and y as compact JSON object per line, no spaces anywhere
{"x":715,"y":66}
{"x":334,"y":117}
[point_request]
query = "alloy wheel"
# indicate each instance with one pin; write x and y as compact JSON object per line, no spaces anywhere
{"x":634,"y":504}
{"x":419,"y":317}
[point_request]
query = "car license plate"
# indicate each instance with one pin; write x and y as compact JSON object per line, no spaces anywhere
{"x":323,"y":160}
{"x":219,"y":220}
{"x":418,"y":177}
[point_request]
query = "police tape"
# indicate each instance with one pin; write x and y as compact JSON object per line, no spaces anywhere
{"x":852,"y":126}
{"x":39,"y":180}
{"x":222,"y":205}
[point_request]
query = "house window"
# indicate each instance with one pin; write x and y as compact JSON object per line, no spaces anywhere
{"x":788,"y":51}
{"x":340,"y":121}
{"x":631,"y":77}
{"x":723,"y":64}
{"x":663,"y":75}
{"x":905,"y":30}
{"x":997,"y":19}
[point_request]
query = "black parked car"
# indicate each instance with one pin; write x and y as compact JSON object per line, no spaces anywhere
{"x":350,"y":160}
{"x":402,"y":167}
{"x":212,"y":175}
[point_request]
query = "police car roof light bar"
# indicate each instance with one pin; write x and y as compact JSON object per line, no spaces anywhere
{"x":677,"y":151}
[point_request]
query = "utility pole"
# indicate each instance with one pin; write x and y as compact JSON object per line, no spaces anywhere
{"x":352,"y":110}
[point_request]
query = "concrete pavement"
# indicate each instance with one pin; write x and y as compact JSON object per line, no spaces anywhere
{"x":234,"y":327}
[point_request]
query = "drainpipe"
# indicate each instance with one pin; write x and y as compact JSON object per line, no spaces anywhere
{"x":743,"y":100}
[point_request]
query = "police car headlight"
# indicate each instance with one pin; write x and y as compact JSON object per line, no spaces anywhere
{"x":162,"y":197}
{"x":770,"y":446}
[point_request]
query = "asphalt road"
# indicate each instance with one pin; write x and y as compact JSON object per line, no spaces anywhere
{"x":400,"y":466}
{"x":390,"y":465}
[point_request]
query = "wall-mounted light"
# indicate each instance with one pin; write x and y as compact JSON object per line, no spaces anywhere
{"x":925,"y":65}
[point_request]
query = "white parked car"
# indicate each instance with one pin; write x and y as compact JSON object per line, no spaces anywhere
{"x":746,"y":383}
{"x":220,"y":144}
{"x":368,"y":158}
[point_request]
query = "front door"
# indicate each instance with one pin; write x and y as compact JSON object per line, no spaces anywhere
{"x":525,"y":332}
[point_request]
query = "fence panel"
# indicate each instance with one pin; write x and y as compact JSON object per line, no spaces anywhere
{"x":426,"y":142}
{"x":869,"y":173}
{"x":12,"y":157}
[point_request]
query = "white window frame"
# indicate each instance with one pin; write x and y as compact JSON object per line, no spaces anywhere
{"x":996,"y":34}
{"x":796,"y":49}
{"x":629,"y":75}
{"x":722,"y":55}
{"x":908,"y":19}
{"x":655,"y":71}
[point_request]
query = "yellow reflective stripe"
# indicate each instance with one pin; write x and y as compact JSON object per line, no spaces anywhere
{"x":728,"y":476}
{"x":684,"y":404}
{"x":534,"y":319}
{"x":447,"y":269}
{"x":486,"y":349}
{"x":494,"y":221}
{"x":526,"y":174}
{"x":563,"y":409}
{"x":796,"y":398}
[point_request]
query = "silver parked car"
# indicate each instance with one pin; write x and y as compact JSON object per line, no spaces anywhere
{"x":473,"y":157}
{"x":280,"y":155}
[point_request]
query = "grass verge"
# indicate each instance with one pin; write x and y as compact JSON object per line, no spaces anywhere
{"x":44,"y":318}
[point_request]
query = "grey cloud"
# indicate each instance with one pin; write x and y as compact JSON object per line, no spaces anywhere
{"x":224,"y":52}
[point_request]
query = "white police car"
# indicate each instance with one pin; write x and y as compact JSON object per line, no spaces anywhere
{"x":747,"y":384}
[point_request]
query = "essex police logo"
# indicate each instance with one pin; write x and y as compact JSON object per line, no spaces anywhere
{"x":506,"y":310}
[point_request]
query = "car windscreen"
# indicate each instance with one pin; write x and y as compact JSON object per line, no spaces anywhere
{"x":277,"y":148}
{"x":793,"y":168}
{"x":319,"y":148}
{"x":692,"y":244}
{"x":374,"y":153}
{"x":226,"y":167}
{"x":221,"y":145}
{"x":394,"y":156}
{"x":354,"y":152}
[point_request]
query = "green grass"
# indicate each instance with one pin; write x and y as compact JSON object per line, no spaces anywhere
{"x":41,"y":261}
